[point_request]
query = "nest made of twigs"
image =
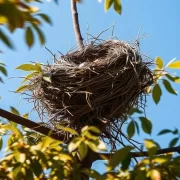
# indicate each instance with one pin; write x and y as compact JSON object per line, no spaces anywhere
{"x":93,"y":86}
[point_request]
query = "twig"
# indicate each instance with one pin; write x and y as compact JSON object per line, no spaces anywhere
{"x":31,"y":124}
{"x":75,"y":19}
{"x":140,"y":154}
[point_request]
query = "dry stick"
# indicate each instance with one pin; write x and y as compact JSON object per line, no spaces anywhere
{"x":30,"y":124}
{"x":77,"y":30}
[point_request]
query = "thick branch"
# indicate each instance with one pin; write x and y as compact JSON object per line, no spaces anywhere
{"x":76,"y":26}
{"x":30,"y":124}
{"x":139,"y":154}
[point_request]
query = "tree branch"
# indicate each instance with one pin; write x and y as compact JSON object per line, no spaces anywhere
{"x":98,"y":156}
{"x":76,"y":26}
{"x":31,"y":124}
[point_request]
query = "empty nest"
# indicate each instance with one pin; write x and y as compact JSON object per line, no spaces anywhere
{"x":97,"y":86}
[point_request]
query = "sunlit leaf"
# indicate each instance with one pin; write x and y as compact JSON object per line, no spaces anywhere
{"x":25,"y":115}
{"x":174,"y":65}
{"x":101,"y":146}
{"x":29,"y":36}
{"x":146,"y":125}
{"x":67,"y":129}
{"x":168,"y":87}
{"x":118,"y":157}
{"x":173,"y":142}
{"x":162,"y":159}
{"x":108,"y":4}
{"x":29,"y":67}
{"x":92,"y":145}
{"x":156,"y":93}
{"x":22,"y":88}
{"x":159,"y":62}
{"x":131,"y":129}
{"x":73,"y":145}
{"x":30,"y":76}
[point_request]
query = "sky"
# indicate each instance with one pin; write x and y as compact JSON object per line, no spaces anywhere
{"x":159,"y":22}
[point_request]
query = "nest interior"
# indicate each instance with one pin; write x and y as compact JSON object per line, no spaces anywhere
{"x":94,"y":86}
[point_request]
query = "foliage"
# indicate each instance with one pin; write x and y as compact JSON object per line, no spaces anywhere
{"x":22,"y":14}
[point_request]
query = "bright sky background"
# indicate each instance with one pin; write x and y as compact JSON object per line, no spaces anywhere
{"x":159,"y":19}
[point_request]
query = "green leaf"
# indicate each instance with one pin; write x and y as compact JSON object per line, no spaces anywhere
{"x":156,"y":93}
{"x":6,"y":40}
{"x":173,"y":78}
{"x":14,"y":111}
{"x":108,"y":4}
{"x":117,"y":6}
{"x":176,"y":131}
{"x":94,"y":129}
{"x":125,"y":163}
{"x":168,"y":87}
{"x":164,"y":131}
{"x":25,"y":115}
{"x":137,"y":126}
{"x":1,"y":143}
{"x":118,"y":157}
{"x":67,"y":129}
{"x":173,"y":142}
{"x":174,"y":65}
{"x":92,"y":145}
{"x":83,"y":149}
{"x":29,"y":36}
{"x":131,"y":129}
{"x":22,"y":88}
{"x":92,"y":173}
{"x":46,"y":18}
{"x":146,"y":125}
{"x":37,"y":168}
{"x":134,"y":110}
{"x":29,"y":67}
{"x":30,"y":76}
{"x":159,"y":63}
{"x":3,"y":70}
{"x":40,"y":34}
{"x":162,"y":159}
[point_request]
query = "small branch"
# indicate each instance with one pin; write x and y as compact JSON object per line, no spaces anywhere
{"x":76,"y":26}
{"x":31,"y":124}
{"x":139,"y":154}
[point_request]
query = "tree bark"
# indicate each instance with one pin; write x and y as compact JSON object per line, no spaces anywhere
{"x":76,"y":26}
{"x":31,"y":124}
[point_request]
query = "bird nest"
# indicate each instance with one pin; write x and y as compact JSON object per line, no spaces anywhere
{"x":96,"y":85}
